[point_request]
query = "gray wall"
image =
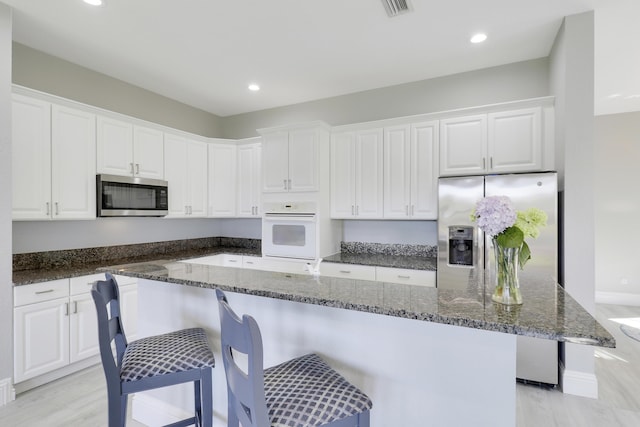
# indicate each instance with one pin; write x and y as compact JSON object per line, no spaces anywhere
{"x":6,"y":289}
{"x":521,"y":80}
{"x":617,"y":203}
{"x":46,"y":73}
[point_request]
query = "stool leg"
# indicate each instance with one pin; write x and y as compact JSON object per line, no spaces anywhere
{"x":232,"y":418}
{"x":197,"y":401}
{"x":363,"y":419}
{"x":207,"y":398}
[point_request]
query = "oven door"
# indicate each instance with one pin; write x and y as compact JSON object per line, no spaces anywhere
{"x":289,"y":235}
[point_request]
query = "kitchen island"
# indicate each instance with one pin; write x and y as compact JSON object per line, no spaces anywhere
{"x":425,"y":356}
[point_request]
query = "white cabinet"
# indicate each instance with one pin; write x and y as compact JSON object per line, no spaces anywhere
{"x":31,"y":158}
{"x":348,"y":271}
{"x":53,"y":161}
{"x":248,"y":179}
{"x":222,"y":186}
{"x":128,"y":150}
{"x":186,"y":173}
{"x":356,"y":174}
{"x":406,"y":276}
{"x":128,"y":289}
{"x":410,"y":171}
{"x":500,"y":142}
{"x":290,"y":159}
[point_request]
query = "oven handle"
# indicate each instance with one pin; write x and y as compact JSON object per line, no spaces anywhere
{"x":291,"y":217}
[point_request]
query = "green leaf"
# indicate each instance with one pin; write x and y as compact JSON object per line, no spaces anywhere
{"x":525,"y":255}
{"x":512,"y":237}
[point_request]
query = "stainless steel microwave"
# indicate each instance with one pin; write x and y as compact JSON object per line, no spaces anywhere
{"x":129,"y":196}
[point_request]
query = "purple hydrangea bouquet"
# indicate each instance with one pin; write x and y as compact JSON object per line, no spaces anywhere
{"x":508,"y":229}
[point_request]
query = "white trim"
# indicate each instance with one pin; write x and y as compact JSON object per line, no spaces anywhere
{"x":155,"y":412}
{"x":620,"y":298}
{"x":578,"y":383}
{"x":7,"y":392}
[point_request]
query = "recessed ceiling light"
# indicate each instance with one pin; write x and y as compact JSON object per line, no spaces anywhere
{"x":94,"y":2}
{"x":478,"y":38}
{"x":254,"y":87}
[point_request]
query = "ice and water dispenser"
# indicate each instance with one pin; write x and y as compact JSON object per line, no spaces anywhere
{"x":461,"y":245}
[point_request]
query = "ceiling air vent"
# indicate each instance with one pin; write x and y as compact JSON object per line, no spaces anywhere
{"x":396,"y":7}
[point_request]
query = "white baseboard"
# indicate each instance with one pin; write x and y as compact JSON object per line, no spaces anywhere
{"x":578,"y":383}
{"x":7,"y":392}
{"x":619,"y":298}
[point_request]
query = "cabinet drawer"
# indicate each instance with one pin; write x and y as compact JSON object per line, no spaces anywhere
{"x":82,"y":284}
{"x":402,"y":275}
{"x":232,"y":260}
{"x":348,"y":271}
{"x":38,"y":292}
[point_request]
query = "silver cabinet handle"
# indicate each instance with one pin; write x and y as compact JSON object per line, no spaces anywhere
{"x":412,"y":206}
{"x":233,"y":260}
{"x":289,"y":184}
{"x":66,"y":308}
{"x":137,"y":168}
{"x":186,"y":210}
{"x":357,"y":210}
{"x":285,"y":183}
{"x":491,"y":162}
{"x":44,"y":292}
{"x":131,"y":165}
{"x":403,"y":277}
{"x":190,"y":210}
{"x":345,"y":271}
{"x":406,"y":208}
{"x":57,"y":209}
{"x":75,"y":307}
{"x":353,"y":210}
{"x":47,"y":209}
{"x":484,"y":163}
{"x":249,"y":262}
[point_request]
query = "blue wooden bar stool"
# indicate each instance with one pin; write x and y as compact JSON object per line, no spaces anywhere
{"x":153,"y":362}
{"x":303,"y":392}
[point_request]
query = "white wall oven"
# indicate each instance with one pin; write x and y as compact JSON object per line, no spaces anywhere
{"x":289,"y":230}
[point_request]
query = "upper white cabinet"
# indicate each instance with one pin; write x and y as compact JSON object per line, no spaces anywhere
{"x":499,"y":142}
{"x":53,"y":161}
{"x":222,"y":187}
{"x":248,"y":179}
{"x":126,"y":149}
{"x":356,"y":174}
{"x":290,"y":158}
{"x":410,"y":171}
{"x":186,"y":173}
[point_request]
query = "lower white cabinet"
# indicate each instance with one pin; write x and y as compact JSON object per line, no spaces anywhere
{"x":379,"y":274}
{"x":55,"y":323}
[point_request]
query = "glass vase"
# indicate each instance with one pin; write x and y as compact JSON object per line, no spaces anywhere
{"x":507,"y":290}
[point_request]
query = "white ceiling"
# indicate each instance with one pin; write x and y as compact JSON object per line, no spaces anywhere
{"x":204,"y":53}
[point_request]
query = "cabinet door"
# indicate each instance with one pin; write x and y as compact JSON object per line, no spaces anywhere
{"x":129,"y":310}
{"x":176,"y":174}
{"x":83,"y":328}
{"x":397,"y":172}
{"x":41,"y":338}
{"x":424,"y":170}
{"x":515,"y":142}
{"x":303,"y":160}
{"x":196,"y":167}
{"x":275,"y":162}
{"x":31,"y":158}
{"x":73,"y":160}
{"x":463,"y":145}
{"x":114,"y":147}
{"x":343,"y":175}
{"x":222,"y":180}
{"x":148,"y":152}
{"x":369,"y":154}
{"x":248,"y":179}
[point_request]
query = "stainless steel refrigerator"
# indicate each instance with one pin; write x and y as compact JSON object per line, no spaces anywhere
{"x":463,"y":248}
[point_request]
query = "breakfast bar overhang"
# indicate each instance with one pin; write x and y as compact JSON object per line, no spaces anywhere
{"x":425,"y":356}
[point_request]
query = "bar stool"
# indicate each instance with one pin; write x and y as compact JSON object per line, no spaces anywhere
{"x":152,"y":362}
{"x":303,"y":392}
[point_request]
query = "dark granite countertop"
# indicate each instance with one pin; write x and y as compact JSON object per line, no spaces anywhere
{"x":75,"y":269}
{"x":413,"y":262}
{"x":548,"y":311}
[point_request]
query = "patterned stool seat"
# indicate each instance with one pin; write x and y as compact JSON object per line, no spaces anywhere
{"x":177,"y":351}
{"x":306,"y":392}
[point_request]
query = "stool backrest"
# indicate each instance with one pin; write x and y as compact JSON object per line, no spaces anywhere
{"x":245,"y":389}
{"x":107,"y":300}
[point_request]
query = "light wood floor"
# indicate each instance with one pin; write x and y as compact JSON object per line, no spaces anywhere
{"x":80,"y":399}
